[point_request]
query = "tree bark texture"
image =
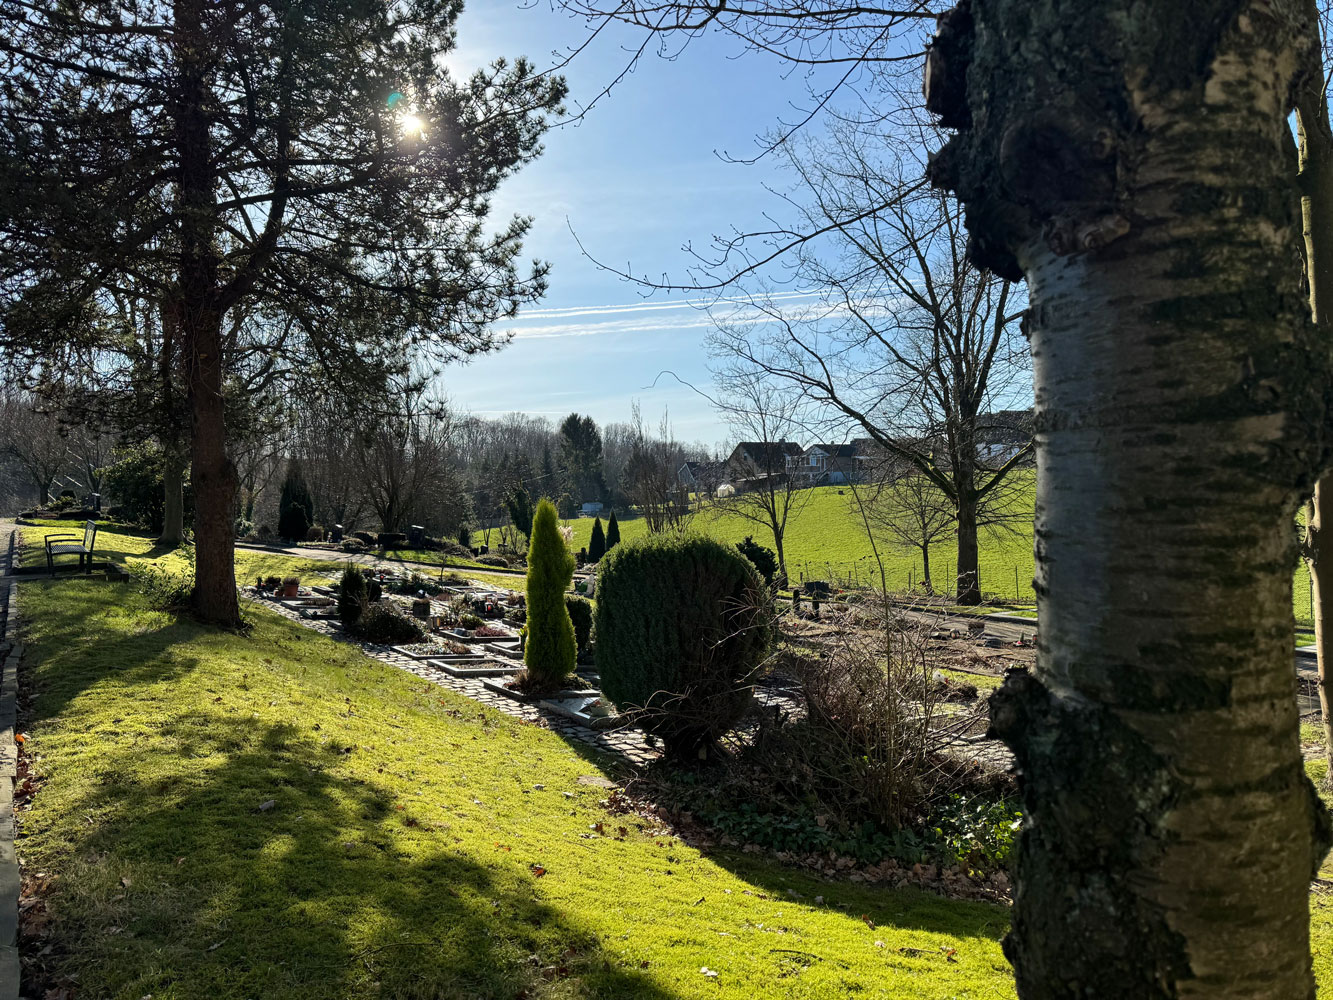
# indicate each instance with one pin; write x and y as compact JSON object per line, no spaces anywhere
{"x":1131,"y":159}
{"x":969,"y":554}
{"x":1316,"y":186}
{"x":199,"y":318}
{"x":173,"y":497}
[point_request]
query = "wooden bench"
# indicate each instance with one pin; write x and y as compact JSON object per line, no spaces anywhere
{"x":71,"y":545}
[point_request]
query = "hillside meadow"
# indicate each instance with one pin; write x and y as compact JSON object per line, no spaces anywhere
{"x":827,"y":540}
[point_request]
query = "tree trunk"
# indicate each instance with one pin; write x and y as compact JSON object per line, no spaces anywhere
{"x":781,"y":553}
{"x":925,"y":567}
{"x":969,"y":566}
{"x":1316,"y":184}
{"x":1130,"y":158}
{"x":199,"y":318}
{"x":173,"y":498}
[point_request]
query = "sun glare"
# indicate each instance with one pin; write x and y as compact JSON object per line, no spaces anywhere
{"x":414,"y":127}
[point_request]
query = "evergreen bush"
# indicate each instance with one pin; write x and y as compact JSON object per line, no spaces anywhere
{"x":681,"y":627}
{"x":580,"y":616}
{"x":294,"y":523}
{"x":597,"y":544}
{"x":352,"y":596}
{"x":386,"y":625}
{"x":550,"y":651}
{"x":296,"y":491}
{"x":612,"y":532}
{"x":764,"y":558}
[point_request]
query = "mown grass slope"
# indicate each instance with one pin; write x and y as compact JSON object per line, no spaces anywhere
{"x":278,"y":815}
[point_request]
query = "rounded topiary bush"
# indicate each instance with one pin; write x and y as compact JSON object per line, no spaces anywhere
{"x":550,"y":650}
{"x":681,"y":626}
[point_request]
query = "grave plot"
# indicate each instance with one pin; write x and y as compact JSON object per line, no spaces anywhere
{"x":474,"y":666}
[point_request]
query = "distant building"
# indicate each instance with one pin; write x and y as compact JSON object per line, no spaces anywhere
{"x":752,"y":458}
{"x":591,"y":509}
{"x":700,"y":477}
{"x":829,"y":464}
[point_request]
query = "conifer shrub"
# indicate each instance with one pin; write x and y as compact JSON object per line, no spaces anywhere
{"x":764,"y":558}
{"x":293,"y":523}
{"x":352,"y":597}
{"x":597,"y":544}
{"x":386,"y":625}
{"x":612,"y":532}
{"x":681,"y":628}
{"x":550,"y":651}
{"x":580,"y":616}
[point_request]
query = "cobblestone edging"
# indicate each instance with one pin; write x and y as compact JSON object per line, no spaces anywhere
{"x":10,"y":653}
{"x":628,"y":745}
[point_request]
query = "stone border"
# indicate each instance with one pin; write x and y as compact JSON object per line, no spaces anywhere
{"x":12,"y":652}
{"x":626,"y":744}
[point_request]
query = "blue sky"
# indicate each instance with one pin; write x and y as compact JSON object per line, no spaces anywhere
{"x":637,"y":179}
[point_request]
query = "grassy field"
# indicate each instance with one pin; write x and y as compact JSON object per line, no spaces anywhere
{"x":278,"y":815}
{"x":827,"y":540}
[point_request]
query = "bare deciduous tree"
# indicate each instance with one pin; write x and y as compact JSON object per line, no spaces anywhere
{"x":757,"y":410}
{"x":649,"y":478}
{"x":911,"y":342}
{"x":36,"y":439}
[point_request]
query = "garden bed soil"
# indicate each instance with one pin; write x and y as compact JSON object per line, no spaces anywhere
{"x":502,"y":687}
{"x":467,"y":666}
{"x":430,"y":651}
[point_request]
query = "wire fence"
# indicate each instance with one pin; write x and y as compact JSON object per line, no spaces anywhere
{"x":1008,"y":583}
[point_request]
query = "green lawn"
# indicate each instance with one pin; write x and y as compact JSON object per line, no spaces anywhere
{"x":826,"y":540}
{"x":131,"y":548}
{"x":416,"y":845}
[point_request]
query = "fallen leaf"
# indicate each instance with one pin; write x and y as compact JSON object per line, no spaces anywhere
{"x":538,"y":871}
{"x":126,"y":881}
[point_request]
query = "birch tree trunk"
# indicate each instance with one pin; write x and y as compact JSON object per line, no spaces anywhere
{"x":1316,"y":185}
{"x":1131,"y":159}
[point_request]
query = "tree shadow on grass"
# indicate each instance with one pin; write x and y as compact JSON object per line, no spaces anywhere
{"x":58,"y":672}
{"x":232,"y":862}
{"x":907,"y":907}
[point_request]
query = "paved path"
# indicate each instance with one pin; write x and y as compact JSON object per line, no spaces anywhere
{"x":369,"y":559}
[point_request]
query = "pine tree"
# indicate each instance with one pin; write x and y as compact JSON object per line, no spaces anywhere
{"x":550,"y":650}
{"x":597,"y":546}
{"x":612,"y":532}
{"x":303,"y":183}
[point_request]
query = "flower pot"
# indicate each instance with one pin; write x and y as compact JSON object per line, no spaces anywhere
{"x":291,"y":590}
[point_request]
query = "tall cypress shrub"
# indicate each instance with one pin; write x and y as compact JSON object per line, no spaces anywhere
{"x":550,"y":650}
{"x":597,"y":546}
{"x":612,"y":532}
